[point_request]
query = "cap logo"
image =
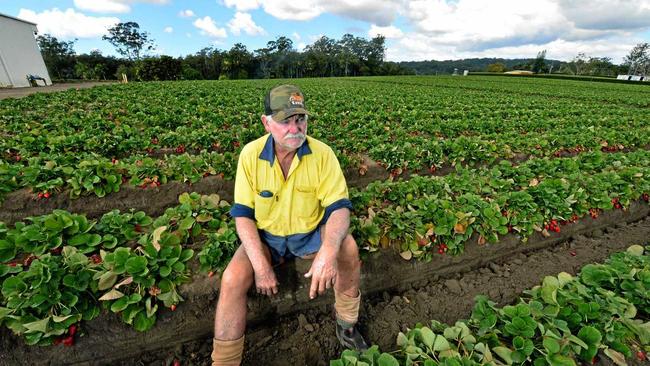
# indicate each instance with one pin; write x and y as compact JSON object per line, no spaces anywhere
{"x":296,"y":99}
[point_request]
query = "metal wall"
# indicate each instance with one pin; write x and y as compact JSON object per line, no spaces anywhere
{"x":19,"y":54}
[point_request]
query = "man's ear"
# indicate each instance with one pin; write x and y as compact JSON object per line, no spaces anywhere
{"x":265,"y":122}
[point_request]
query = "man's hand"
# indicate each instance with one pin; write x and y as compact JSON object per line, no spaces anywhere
{"x":323,"y":271}
{"x":266,"y":283}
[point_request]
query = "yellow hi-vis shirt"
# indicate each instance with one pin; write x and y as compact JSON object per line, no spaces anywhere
{"x":315,"y":187}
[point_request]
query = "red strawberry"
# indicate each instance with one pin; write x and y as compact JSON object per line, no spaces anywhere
{"x":72,"y":330}
{"x":641,"y":356}
{"x":138,"y":228}
{"x":68,"y":341}
{"x":173,"y":307}
{"x":57,"y":341}
{"x":46,"y":194}
{"x":96,"y":258}
{"x":28,"y":261}
{"x":56,"y":251}
{"x":154,"y":140}
{"x":176,"y":363}
{"x":573,"y":252}
{"x":211,"y":273}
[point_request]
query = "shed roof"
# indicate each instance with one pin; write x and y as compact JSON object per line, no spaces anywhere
{"x":14,"y":18}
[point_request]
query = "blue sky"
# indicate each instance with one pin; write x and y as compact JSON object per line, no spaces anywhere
{"x":415,"y":29}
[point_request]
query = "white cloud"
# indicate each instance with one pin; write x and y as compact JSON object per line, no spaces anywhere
{"x":102,"y":6}
{"x":244,"y":22}
{"x":243,"y":5}
{"x":445,"y":29}
{"x":296,"y":36}
{"x":209,"y":27}
{"x":186,"y":13}
{"x":168,"y":30}
{"x":112,"y":6}
{"x":471,"y":28}
{"x":381,"y":12}
{"x":388,"y":32}
{"x":68,"y":23}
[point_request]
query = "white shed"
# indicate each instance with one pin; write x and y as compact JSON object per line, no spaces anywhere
{"x":19,"y":53}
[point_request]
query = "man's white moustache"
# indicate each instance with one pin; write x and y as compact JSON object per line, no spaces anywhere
{"x":296,"y":136}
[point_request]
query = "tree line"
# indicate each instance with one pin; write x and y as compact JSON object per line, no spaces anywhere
{"x":348,"y":56}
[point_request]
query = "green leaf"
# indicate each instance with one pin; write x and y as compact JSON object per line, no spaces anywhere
{"x":120,"y":304}
{"x":505,"y":354}
{"x":617,"y":357}
{"x":590,"y":335}
{"x":136,"y":265}
{"x":560,"y":360}
{"x":165,"y":271}
{"x":551,"y":345}
{"x":441,"y":344}
{"x":428,"y":337}
{"x":142,"y":322}
{"x":635,"y":250}
{"x":7,"y":250}
{"x":386,"y":359}
{"x":37,"y":326}
{"x":550,"y":286}
{"x":107,"y":280}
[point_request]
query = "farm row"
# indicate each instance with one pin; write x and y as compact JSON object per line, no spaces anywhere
{"x":93,"y":141}
{"x":132,"y":263}
{"x":604,"y":311}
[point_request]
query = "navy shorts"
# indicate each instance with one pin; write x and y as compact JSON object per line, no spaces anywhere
{"x":288,"y":247}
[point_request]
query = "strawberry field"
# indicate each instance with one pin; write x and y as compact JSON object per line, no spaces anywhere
{"x":115,"y":200}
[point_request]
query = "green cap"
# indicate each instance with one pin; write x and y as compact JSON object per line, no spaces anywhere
{"x":284,"y":101}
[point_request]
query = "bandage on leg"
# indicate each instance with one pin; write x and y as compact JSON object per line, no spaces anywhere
{"x":227,"y":353}
{"x":347,"y":309}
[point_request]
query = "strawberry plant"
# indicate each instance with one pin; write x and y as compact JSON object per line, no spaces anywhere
{"x":563,"y":321}
{"x":43,"y":301}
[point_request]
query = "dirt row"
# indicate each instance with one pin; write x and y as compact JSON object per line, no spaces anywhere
{"x":290,"y":329}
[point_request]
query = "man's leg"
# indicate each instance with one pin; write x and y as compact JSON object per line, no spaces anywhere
{"x":347,"y":295}
{"x":349,"y":268}
{"x":230,"y":317}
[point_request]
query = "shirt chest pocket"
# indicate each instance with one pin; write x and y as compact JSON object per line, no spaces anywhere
{"x":306,"y":203}
{"x":263,"y":206}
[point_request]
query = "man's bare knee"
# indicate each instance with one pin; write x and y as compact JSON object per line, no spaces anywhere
{"x":237,"y":278}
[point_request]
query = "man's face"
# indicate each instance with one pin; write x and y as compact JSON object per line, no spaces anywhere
{"x":289,"y":133}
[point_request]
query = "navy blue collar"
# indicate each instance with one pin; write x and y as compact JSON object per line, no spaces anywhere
{"x":268,"y":152}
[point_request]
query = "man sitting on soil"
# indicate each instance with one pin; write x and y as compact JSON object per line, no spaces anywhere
{"x":291,"y":200}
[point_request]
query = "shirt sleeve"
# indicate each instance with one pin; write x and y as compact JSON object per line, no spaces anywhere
{"x":244,"y":202}
{"x":333,"y":190}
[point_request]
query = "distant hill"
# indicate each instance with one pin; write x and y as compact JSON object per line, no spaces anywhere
{"x":471,"y":64}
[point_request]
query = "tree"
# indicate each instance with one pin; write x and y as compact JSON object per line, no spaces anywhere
{"x":577,"y":66}
{"x":639,"y":59}
{"x":496,"y":67}
{"x":128,"y":40}
{"x":237,"y":62}
{"x":539,"y":65}
{"x":57,"y":55}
